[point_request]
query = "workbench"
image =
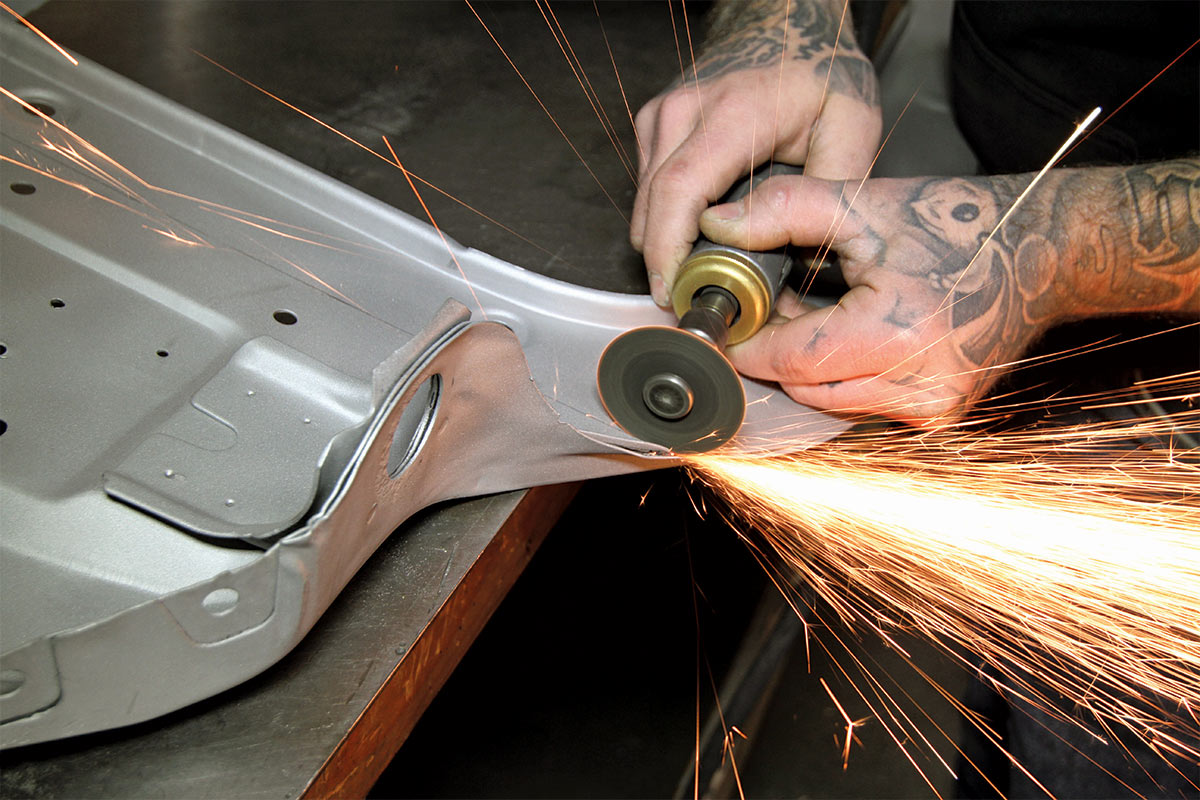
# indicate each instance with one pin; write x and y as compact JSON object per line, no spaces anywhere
{"x":326,"y":720}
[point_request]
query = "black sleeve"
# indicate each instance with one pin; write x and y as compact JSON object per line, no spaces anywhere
{"x":1024,"y":72}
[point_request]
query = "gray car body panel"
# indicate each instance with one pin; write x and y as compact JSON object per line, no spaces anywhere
{"x":227,"y":378}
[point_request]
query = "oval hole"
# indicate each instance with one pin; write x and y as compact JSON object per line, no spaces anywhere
{"x":414,"y":425}
{"x":22,"y":188}
{"x":219,"y":602}
{"x":42,"y":106}
{"x":285,"y":317}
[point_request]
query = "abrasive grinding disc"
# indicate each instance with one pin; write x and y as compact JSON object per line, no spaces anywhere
{"x":671,"y":387}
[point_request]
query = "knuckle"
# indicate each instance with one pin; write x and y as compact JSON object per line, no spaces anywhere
{"x":776,"y":194}
{"x":789,"y":363}
{"x":676,"y":106}
{"x":672,"y":179}
{"x":647,"y":115}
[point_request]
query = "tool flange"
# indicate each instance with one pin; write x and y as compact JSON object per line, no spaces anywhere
{"x":671,"y":387}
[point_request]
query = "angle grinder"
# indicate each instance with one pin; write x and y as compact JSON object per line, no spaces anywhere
{"x":674,"y":386}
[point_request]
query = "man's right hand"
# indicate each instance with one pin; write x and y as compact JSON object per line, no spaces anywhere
{"x":777,"y":79}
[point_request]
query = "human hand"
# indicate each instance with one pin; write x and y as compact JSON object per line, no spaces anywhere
{"x":796,"y":89}
{"x":935,"y":310}
{"x":949,"y":284}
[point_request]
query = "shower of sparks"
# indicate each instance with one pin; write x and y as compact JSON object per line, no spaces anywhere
{"x":620,"y":84}
{"x":1065,"y":559}
{"x":585,"y":83}
{"x":74,"y":61}
{"x":436,"y":227}
{"x":547,"y":111}
{"x":128,"y":191}
{"x":409,"y":175}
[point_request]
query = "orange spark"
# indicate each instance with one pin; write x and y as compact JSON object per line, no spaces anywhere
{"x":175,"y":237}
{"x":74,"y":61}
{"x":558,"y":127}
{"x":620,"y":84}
{"x":585,"y":83}
{"x":1054,"y":159}
{"x":1066,"y":560}
{"x":433,"y":222}
{"x":850,"y":726}
{"x":409,"y":175}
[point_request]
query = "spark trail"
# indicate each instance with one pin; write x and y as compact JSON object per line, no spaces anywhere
{"x":1065,"y":560}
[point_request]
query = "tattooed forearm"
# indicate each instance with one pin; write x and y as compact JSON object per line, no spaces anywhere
{"x":1083,"y":243}
{"x":1119,"y":240}
{"x":750,"y":34}
{"x":854,"y":77}
{"x":1166,"y":212}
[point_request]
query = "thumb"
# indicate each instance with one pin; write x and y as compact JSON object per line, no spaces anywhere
{"x":785,"y":209}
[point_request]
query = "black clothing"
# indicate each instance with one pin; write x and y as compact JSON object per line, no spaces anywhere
{"x":1025,"y":72}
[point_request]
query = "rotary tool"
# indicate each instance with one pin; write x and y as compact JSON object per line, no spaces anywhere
{"x":674,"y":386}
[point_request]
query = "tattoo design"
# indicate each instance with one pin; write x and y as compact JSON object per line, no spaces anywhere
{"x":851,"y":76}
{"x":751,"y":34}
{"x":817,"y":30}
{"x":1083,"y":243}
{"x":957,"y":214}
{"x":1166,"y":202}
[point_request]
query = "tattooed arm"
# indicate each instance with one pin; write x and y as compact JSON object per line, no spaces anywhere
{"x":937,"y":306}
{"x":777,"y":79}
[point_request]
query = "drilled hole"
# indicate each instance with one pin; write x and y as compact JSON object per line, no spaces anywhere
{"x":161,"y":353}
{"x":23,"y":188}
{"x":58,"y":302}
{"x":414,"y":425}
{"x":220,"y":601}
{"x":41,"y":106}
{"x":285,"y":317}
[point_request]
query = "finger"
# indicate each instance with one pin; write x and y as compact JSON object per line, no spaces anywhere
{"x":925,"y":403}
{"x":789,"y":305}
{"x":836,"y":343}
{"x":660,"y":130}
{"x":844,"y":141}
{"x":700,"y":170}
{"x":782,"y":210}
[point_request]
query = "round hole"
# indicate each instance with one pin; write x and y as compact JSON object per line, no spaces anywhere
{"x":3,"y":349}
{"x":41,"y":106}
{"x":284,"y":317}
{"x":415,"y":423}
{"x":58,"y":303}
{"x":10,"y":681}
{"x":3,"y":427}
{"x":219,"y":602}
{"x":161,"y":353}
{"x":22,"y":188}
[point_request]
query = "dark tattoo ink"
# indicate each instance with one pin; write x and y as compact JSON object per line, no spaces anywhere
{"x":851,"y":77}
{"x":1166,"y":203}
{"x":750,"y":34}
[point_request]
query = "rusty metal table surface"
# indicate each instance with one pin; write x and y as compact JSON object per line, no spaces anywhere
{"x":327,"y":718}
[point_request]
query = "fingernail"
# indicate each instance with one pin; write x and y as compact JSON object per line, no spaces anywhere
{"x":726,"y":211}
{"x":658,"y":288}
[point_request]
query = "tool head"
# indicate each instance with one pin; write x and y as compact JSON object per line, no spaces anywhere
{"x":671,"y":387}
